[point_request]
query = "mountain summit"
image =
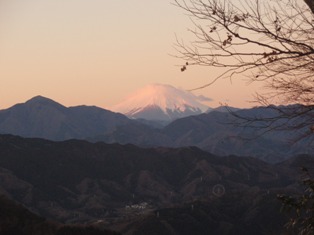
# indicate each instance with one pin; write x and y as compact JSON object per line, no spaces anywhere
{"x":161,"y":102}
{"x":44,"y":118}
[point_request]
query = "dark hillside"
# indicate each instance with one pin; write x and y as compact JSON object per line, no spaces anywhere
{"x":122,"y":187}
{"x":16,"y":220}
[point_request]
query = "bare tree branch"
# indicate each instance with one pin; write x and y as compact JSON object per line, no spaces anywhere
{"x":268,"y":41}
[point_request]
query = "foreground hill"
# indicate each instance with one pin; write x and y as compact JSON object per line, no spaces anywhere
{"x":147,"y":191}
{"x":15,"y":219}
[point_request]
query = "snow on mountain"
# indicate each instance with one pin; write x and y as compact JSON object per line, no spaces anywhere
{"x":161,"y":102}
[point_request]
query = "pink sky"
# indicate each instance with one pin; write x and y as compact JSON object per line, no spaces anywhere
{"x":97,"y":52}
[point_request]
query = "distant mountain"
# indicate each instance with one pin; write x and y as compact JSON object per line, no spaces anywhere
{"x":147,"y":191}
{"x":143,"y":135}
{"x":224,"y":109}
{"x":222,"y":133}
{"x":161,"y":103}
{"x":45,"y":118}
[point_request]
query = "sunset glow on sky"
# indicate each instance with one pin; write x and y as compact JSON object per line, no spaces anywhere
{"x":97,"y":52}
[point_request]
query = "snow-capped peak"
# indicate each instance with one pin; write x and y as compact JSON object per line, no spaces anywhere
{"x":171,"y":102}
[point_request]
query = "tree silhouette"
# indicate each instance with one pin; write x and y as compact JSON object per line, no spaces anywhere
{"x":302,"y":205}
{"x":271,"y":42}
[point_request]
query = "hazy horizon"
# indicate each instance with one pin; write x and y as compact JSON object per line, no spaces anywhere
{"x":97,"y":53}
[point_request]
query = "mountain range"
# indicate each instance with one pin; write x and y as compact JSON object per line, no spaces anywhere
{"x":44,"y":118}
{"x":218,"y":131}
{"x":147,"y":191}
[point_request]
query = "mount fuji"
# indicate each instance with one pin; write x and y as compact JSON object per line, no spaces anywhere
{"x":159,"y":102}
